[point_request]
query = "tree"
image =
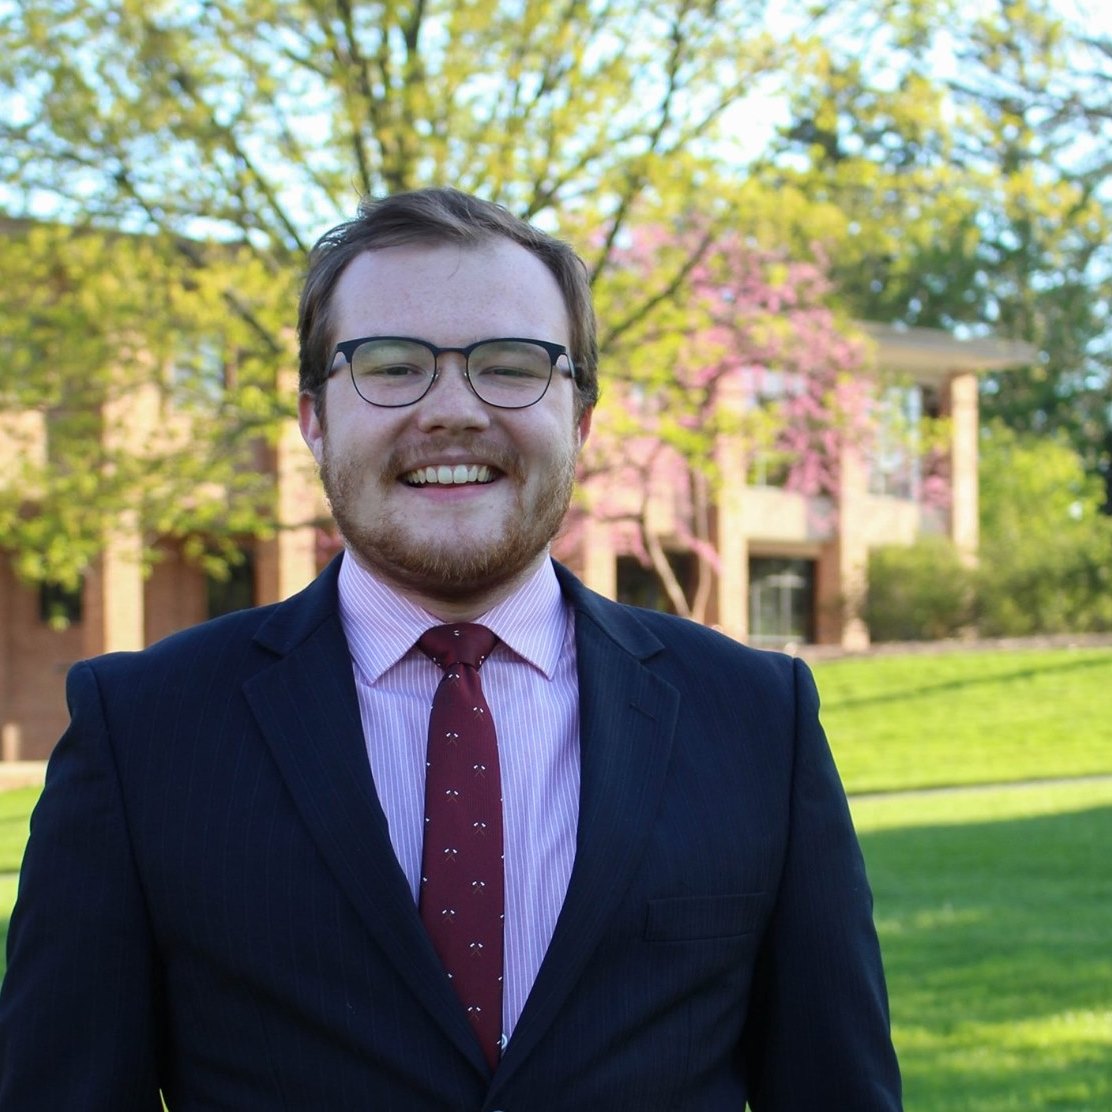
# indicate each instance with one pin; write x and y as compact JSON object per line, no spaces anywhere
{"x":249,"y":125}
{"x":1044,"y":560}
{"x":751,"y":351}
{"x":94,"y":328}
{"x":965,"y":149}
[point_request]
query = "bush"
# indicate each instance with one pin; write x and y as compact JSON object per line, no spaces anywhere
{"x":1046,"y":548}
{"x":918,"y":592}
{"x":1064,"y":586}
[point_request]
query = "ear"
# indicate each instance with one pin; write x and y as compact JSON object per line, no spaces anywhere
{"x":311,"y":425}
{"x":583,"y":425}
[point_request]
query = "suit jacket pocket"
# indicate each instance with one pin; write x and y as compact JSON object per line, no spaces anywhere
{"x":688,"y":918}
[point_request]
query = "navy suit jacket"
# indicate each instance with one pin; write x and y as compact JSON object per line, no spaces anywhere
{"x":210,"y":904}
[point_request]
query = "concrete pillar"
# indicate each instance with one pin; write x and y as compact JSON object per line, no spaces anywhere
{"x":288,"y":561}
{"x":732,"y":539}
{"x":11,"y":742}
{"x":113,"y":602}
{"x":961,"y":402}
{"x":7,"y":650}
{"x":598,"y":558}
{"x":852,"y":549}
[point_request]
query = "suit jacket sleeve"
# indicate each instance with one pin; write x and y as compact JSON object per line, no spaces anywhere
{"x":78,"y":1024}
{"x":818,"y":1034}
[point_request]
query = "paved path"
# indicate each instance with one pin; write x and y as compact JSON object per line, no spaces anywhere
{"x":28,"y":774}
{"x":1005,"y":785}
{"x":22,"y":774}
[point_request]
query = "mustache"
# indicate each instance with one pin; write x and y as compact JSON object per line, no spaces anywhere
{"x":405,"y":457}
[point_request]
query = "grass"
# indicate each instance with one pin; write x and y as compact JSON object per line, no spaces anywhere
{"x":15,"y":810}
{"x":994,"y":904}
{"x":968,"y":718}
{"x":993,"y":907}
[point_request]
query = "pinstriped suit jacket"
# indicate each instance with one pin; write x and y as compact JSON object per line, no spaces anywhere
{"x":210,"y":904}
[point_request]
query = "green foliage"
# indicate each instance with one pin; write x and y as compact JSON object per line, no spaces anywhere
{"x":264,"y":119}
{"x":129,"y":393}
{"x":962,"y":152}
{"x":252,"y":126}
{"x":1045,"y":557}
{"x":918,"y":592}
{"x":949,"y":195}
{"x":1046,"y":549}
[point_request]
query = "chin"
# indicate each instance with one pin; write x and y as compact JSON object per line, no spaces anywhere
{"x":458,"y":565}
{"x":448,"y":571}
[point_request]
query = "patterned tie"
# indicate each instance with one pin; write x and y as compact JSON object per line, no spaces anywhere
{"x":462,"y":890}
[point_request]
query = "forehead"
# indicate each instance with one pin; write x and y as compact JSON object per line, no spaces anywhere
{"x":449,"y":294}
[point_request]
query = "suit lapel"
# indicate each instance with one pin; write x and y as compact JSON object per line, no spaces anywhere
{"x":627,"y":722}
{"x":306,"y":707}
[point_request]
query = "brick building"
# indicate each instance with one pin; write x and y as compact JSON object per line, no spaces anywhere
{"x":787,"y":573}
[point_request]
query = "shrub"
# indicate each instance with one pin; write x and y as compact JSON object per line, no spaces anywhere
{"x":1046,"y":548}
{"x":918,"y":592}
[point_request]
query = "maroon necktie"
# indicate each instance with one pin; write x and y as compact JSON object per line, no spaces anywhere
{"x":462,"y":898}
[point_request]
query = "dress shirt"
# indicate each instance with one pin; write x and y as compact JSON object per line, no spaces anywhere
{"x":531,"y":685}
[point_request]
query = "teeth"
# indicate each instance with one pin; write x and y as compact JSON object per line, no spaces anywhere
{"x":450,"y":476}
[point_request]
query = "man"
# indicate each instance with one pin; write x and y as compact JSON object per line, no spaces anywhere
{"x":228,"y":893}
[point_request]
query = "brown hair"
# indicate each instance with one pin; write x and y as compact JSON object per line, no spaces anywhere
{"x":433,"y":216}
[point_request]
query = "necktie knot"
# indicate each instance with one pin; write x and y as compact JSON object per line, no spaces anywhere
{"x":458,"y":643}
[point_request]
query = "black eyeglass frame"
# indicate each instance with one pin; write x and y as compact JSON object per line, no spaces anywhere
{"x":347,"y":349}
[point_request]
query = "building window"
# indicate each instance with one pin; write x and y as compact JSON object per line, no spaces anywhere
{"x":781,"y":601}
{"x":639,"y":585}
{"x":768,"y":469}
{"x":60,"y":607}
{"x":200,"y":373}
{"x":894,"y":465}
{"x":237,"y":592}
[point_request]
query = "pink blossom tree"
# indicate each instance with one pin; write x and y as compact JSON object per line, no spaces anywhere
{"x":745,"y":350}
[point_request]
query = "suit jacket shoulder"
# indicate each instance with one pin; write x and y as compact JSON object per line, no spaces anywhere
{"x":690,"y":653}
{"x":234,"y":643}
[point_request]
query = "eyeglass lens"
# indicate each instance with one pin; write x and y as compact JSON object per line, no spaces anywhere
{"x":508,"y":373}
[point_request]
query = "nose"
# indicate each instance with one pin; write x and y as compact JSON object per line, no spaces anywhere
{"x":451,"y":403}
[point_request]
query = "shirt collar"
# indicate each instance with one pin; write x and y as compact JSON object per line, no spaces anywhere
{"x":382,"y":626}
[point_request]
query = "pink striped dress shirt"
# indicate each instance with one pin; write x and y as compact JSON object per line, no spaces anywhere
{"x":531,"y":686}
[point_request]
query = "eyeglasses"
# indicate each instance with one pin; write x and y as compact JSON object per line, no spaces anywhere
{"x":509,"y":373}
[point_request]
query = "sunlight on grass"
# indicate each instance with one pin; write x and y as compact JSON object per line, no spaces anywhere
{"x":968,"y":717}
{"x":976,"y":804}
{"x":15,"y":808}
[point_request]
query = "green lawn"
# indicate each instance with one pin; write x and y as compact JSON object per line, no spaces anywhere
{"x":994,"y":904}
{"x":994,"y":908}
{"x":15,"y":809}
{"x":968,"y":718}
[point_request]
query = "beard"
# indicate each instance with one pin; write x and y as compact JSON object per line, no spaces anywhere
{"x":449,"y":568}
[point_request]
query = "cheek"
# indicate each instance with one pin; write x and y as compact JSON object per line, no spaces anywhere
{"x":351,"y":439}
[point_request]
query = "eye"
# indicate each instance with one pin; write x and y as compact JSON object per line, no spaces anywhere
{"x":508,"y":362}
{"x":391,"y":362}
{"x":389,"y":370}
{"x":509,"y":371}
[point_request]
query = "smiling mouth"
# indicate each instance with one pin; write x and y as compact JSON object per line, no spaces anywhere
{"x":444,"y":475}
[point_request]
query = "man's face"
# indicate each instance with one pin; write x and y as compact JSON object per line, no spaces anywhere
{"x":445,"y":539}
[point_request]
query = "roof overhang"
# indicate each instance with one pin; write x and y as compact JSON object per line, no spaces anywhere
{"x":932,"y":355}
